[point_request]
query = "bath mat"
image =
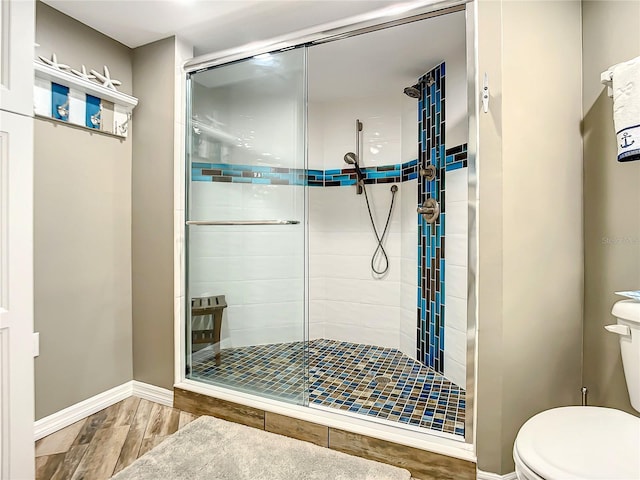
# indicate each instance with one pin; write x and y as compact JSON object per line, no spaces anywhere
{"x":213,"y":449}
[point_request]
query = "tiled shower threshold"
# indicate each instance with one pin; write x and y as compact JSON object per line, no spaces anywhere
{"x":380,"y":384}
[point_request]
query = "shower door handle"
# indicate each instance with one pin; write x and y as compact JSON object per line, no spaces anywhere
{"x":241,"y":222}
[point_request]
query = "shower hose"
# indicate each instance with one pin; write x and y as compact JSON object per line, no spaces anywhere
{"x":380,"y":238}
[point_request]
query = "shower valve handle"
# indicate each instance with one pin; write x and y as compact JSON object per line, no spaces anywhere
{"x":428,"y":172}
{"x":430,"y":210}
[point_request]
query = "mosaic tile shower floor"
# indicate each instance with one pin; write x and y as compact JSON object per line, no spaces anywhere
{"x":362,"y":379}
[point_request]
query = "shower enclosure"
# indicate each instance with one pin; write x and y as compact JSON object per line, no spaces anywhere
{"x":300,"y":290}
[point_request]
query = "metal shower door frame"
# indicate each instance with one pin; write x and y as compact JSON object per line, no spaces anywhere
{"x":344,"y":29}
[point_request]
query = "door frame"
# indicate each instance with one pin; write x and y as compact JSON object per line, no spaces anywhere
{"x":16,"y":297}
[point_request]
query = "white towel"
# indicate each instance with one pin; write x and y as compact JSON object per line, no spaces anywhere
{"x":626,"y":108}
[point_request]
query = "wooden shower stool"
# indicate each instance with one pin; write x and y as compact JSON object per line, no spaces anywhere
{"x":208,"y":306}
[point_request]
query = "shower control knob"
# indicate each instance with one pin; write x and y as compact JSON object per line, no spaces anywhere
{"x":428,"y":172}
{"x":430,"y":210}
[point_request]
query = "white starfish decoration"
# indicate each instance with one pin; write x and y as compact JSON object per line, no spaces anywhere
{"x":106,"y":79}
{"x":83,"y":73}
{"x":54,"y":62}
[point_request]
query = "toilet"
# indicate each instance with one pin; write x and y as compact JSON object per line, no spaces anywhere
{"x":586,"y":443}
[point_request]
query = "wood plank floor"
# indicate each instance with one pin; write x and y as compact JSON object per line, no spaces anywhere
{"x":102,"y":444}
{"x":99,"y":446}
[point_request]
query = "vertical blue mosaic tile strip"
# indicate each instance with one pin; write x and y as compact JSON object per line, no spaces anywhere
{"x":431,"y":248}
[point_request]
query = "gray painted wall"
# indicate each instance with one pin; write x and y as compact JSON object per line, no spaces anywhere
{"x":104,"y":228}
{"x":152,"y":215}
{"x":82,"y":235}
{"x":611,"y":32}
{"x":76,"y":44}
{"x":530,"y":219}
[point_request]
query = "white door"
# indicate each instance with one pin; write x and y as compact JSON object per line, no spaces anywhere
{"x":17,"y":37}
{"x":16,"y":297}
{"x":16,"y":240}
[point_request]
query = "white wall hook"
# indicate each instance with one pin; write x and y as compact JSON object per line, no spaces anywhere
{"x":485,"y":93}
{"x":619,"y":329}
{"x":124,"y":127}
{"x":606,"y":78}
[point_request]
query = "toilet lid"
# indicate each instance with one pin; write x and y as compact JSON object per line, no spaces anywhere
{"x":581,"y":443}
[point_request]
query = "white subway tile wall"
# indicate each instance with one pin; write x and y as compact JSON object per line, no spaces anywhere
{"x":359,"y":307}
{"x":409,"y":281}
{"x":260,"y":270}
{"x":332,"y":131}
{"x":455,"y":338}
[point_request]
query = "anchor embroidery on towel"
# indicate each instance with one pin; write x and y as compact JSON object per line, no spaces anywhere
{"x":626,"y":144}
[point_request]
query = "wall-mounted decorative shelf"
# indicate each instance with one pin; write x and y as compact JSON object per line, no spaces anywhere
{"x":69,"y":98}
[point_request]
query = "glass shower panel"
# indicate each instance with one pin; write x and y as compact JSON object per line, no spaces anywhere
{"x":245,"y":228}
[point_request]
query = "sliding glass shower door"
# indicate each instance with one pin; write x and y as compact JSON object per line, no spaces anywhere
{"x":245,"y":229}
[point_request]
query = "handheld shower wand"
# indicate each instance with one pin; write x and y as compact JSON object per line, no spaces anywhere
{"x":352,"y":159}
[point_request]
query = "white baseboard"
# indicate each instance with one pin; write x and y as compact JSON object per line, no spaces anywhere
{"x":152,"y":393}
{"x":494,"y":476}
{"x":57,"y":421}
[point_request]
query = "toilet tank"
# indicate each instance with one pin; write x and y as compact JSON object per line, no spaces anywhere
{"x":628,"y":329}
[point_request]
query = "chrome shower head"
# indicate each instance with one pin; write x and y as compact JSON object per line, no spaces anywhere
{"x":413,"y":91}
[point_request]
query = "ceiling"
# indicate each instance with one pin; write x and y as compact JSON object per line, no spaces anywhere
{"x":368,"y":65}
{"x":382,"y":63}
{"x":378,"y":64}
{"x":209,"y":25}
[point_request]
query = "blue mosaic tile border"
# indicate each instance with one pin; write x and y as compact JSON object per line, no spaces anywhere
{"x":315,"y":178}
{"x":431,"y":240}
{"x":223,"y":172}
{"x":456,"y":157}
{"x":410,"y":170}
